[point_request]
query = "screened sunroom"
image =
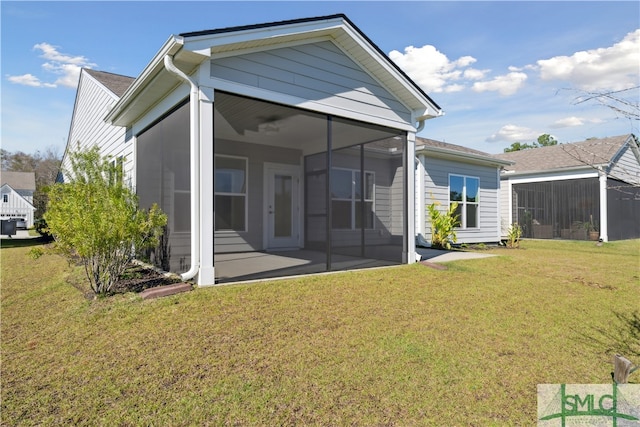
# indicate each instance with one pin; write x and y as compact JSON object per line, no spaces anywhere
{"x":277,"y":211}
{"x":276,"y":149}
{"x":566,"y":209}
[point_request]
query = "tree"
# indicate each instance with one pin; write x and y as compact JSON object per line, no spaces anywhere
{"x":95,"y":217}
{"x":517,"y":146}
{"x":623,"y":102}
{"x":544,"y":140}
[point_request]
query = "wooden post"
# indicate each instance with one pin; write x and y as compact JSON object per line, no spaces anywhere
{"x":622,"y":367}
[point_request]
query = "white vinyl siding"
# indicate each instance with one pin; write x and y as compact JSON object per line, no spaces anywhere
{"x":88,"y":127}
{"x":320,"y":72}
{"x":13,"y":205}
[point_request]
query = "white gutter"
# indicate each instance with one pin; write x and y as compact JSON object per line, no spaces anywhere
{"x":195,"y":166}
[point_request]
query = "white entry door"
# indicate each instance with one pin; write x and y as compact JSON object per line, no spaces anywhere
{"x":282,"y":207}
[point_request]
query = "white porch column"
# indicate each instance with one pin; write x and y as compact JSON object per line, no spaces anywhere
{"x":206,"y":275}
{"x":409,"y":256}
{"x":604,"y":222}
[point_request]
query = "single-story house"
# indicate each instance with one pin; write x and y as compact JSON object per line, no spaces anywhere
{"x":583,"y":190}
{"x":275,"y":149}
{"x":16,"y":191}
{"x":448,"y":173}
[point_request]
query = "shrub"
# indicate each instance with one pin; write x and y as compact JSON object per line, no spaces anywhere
{"x":513,"y":235}
{"x":41,"y":227}
{"x":443,"y":224}
{"x":95,"y":218}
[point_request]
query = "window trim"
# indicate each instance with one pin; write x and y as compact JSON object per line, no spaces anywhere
{"x":5,"y":198}
{"x":353,"y":200}
{"x":463,"y":204}
{"x":245,"y":194}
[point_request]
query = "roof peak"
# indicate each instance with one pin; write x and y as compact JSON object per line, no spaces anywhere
{"x":264,"y":25}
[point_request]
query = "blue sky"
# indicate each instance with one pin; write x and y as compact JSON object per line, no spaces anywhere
{"x":501,"y":71}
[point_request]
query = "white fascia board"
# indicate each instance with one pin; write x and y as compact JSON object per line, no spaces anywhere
{"x":548,"y":178}
{"x":429,"y":111}
{"x":233,"y":40}
{"x":458,"y":155}
{"x":170,"y":47}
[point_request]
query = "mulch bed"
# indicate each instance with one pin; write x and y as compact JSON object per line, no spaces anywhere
{"x":137,"y":278}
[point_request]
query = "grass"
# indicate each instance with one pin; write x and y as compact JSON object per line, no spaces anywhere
{"x":401,"y":346}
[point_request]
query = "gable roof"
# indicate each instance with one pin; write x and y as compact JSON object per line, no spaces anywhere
{"x":456,"y":152}
{"x":577,"y":155}
{"x":310,"y":20}
{"x":189,"y":50}
{"x":19,"y":180}
{"x":15,"y":194}
{"x":116,"y":83}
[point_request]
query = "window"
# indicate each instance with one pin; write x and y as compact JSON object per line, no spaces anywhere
{"x":5,"y":198}
{"x":346,"y":199}
{"x":230,"y":193}
{"x":466,"y":191}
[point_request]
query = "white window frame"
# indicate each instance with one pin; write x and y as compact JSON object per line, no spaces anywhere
{"x":353,"y":198}
{"x":245,"y":194}
{"x":463,"y":204}
{"x":5,"y":198}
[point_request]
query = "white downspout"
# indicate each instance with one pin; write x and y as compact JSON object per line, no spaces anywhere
{"x":194,"y":164}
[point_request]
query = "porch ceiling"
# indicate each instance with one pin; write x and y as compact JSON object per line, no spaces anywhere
{"x":247,"y":120}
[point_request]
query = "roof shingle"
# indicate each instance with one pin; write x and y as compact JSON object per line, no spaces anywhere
{"x":116,"y":83}
{"x":19,"y":180}
{"x":564,"y":156}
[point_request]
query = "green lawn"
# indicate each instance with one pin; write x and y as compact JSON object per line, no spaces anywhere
{"x":400,"y":346}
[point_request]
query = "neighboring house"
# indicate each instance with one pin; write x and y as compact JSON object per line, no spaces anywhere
{"x":448,"y":173}
{"x":582,"y":190}
{"x":294,"y":136}
{"x":16,"y":195}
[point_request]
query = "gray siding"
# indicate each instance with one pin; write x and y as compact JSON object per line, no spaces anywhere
{"x":626,"y":167}
{"x":88,"y":127}
{"x":436,"y":184}
{"x":320,"y":72}
{"x":257,"y":155}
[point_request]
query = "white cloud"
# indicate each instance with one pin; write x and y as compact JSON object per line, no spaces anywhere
{"x":67,"y":67}
{"x":431,"y":69}
{"x":610,"y":68}
{"x":50,"y":52}
{"x":573,"y":122}
{"x":29,"y":80}
{"x":506,"y":84}
{"x":513,"y":133}
{"x":474,"y":74}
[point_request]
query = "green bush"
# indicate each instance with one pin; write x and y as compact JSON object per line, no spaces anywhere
{"x":41,"y":227}
{"x":95,"y":217}
{"x":443,"y":225}
{"x":513,"y":235}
